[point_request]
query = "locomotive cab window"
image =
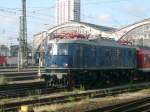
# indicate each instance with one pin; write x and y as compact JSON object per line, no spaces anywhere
{"x":50,"y":50}
{"x":56,"y":49}
{"x":53,"y":49}
{"x":63,"y":50}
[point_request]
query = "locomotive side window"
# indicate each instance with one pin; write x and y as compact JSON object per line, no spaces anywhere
{"x":107,"y":53}
{"x":94,"y":51}
{"x":118,"y":53}
{"x":81,"y":51}
{"x":129,"y":53}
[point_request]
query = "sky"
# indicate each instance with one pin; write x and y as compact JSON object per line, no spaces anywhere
{"x":41,"y":15}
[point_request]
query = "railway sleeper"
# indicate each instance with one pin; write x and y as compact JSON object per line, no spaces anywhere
{"x":142,"y":107}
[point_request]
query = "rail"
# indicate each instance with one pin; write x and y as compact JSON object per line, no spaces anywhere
{"x":14,"y":90}
{"x":76,"y":96}
{"x":142,"y":104}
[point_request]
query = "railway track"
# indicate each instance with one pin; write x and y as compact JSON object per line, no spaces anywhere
{"x":18,"y":90}
{"x":23,"y":78}
{"x":46,"y":99}
{"x":20,"y":76}
{"x":6,"y":67}
{"x":15,"y":67}
{"x":29,"y":92}
{"x":140,"y":105}
{"x":15,"y":74}
{"x":17,"y":86}
{"x":16,"y":70}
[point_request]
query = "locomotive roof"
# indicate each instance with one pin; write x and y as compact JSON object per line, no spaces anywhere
{"x":91,"y":42}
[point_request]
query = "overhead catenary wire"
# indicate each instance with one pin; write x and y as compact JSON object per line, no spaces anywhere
{"x":103,"y":1}
{"x":48,"y":16}
{"x":39,"y":15}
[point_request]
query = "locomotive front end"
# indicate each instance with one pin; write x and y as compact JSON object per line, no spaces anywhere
{"x":64,"y":59}
{"x":57,"y":62}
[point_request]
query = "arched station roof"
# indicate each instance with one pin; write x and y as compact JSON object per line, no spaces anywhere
{"x":72,"y":26}
{"x":81,"y":27}
{"x":137,"y":33}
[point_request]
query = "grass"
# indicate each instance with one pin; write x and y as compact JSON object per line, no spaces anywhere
{"x":79,"y":90}
{"x":93,"y":95}
{"x":147,"y":90}
{"x":71,"y":99}
{"x":88,"y":100}
{"x":3,"y":80}
{"x":1,"y":110}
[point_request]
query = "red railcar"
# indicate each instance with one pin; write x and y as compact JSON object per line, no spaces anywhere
{"x":143,"y":57}
{"x":3,"y":60}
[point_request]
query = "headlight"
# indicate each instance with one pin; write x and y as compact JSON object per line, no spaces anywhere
{"x":65,"y":64}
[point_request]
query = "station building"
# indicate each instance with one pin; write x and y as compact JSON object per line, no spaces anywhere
{"x":14,"y":50}
{"x":4,"y":50}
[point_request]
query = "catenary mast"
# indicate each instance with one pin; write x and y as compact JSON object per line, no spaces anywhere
{"x":23,"y":49}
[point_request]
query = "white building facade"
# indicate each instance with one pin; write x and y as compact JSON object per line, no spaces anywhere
{"x":67,"y":10}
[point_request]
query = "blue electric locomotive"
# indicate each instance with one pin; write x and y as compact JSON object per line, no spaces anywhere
{"x":71,"y":62}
